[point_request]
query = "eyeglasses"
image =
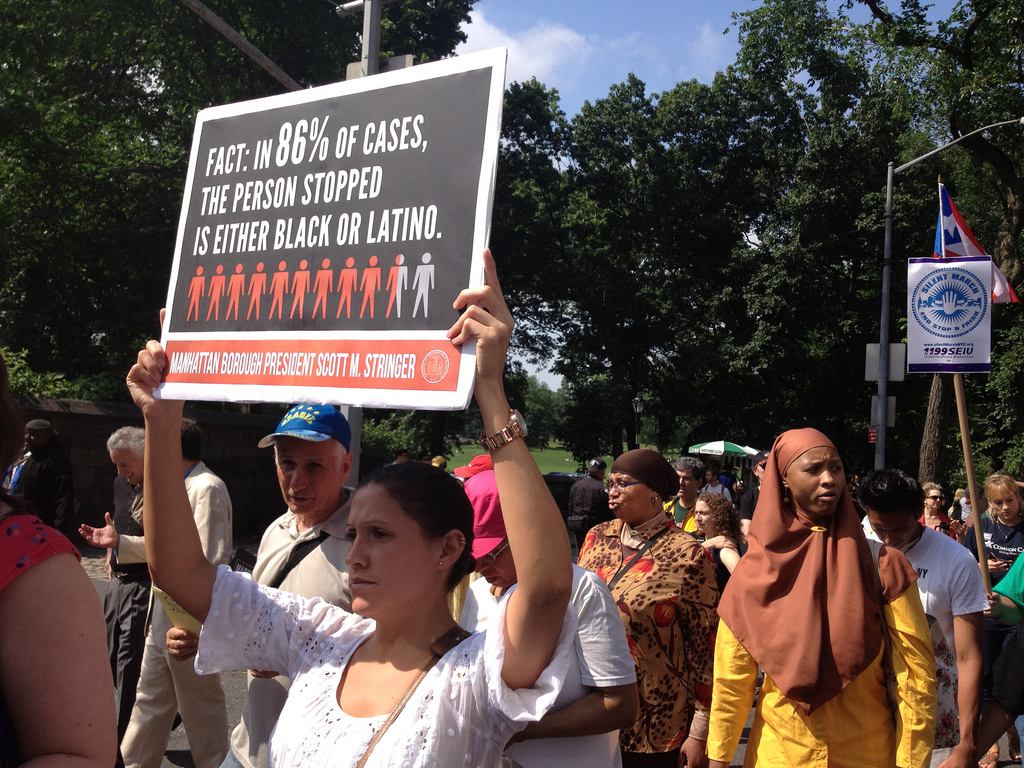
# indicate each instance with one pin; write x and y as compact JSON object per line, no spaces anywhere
{"x":934,"y":498}
{"x":491,"y":556}
{"x":619,"y":485}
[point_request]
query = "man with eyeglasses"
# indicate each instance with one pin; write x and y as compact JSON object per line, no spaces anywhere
{"x":599,"y":696}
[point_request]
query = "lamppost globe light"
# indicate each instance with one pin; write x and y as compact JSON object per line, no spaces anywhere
{"x":638,"y":405}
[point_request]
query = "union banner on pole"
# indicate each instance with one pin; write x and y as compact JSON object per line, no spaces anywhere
{"x":324,"y":235}
{"x":949,"y":315}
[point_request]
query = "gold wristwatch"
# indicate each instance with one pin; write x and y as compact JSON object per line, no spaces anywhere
{"x":515,"y":428}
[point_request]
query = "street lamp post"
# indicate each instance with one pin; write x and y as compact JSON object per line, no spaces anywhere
{"x":638,"y":409}
{"x":370,"y":9}
{"x":883,"y":339}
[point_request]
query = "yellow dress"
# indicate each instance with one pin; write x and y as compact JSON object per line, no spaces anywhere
{"x":853,"y":730}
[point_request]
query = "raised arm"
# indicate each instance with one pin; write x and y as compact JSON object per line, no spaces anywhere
{"x":173,"y":549}
{"x":536,"y":534}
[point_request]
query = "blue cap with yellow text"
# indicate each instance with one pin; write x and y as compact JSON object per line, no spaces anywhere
{"x":315,"y":423}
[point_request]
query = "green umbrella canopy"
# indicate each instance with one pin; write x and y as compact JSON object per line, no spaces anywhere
{"x":718,"y":448}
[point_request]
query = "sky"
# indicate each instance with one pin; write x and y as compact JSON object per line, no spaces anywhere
{"x":583,"y":47}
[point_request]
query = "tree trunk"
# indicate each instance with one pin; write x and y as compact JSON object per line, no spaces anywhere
{"x":936,"y":423}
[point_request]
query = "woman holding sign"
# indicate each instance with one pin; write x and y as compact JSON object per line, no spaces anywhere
{"x":397,"y":682}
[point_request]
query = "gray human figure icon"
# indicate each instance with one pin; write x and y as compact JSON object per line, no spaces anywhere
{"x":300,"y":286}
{"x":423,"y":283}
{"x":278,"y":287}
{"x":217,"y":283}
{"x":257,"y":287}
{"x":398,"y":281}
{"x":236,"y":287}
{"x":346,"y":284}
{"x":322,"y":286}
{"x":370,"y":285}
{"x":196,"y":291}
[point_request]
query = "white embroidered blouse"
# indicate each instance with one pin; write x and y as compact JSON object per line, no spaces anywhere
{"x":461,"y":715}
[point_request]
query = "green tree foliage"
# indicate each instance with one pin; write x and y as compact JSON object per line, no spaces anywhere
{"x":543,"y":413}
{"x":97,"y":113}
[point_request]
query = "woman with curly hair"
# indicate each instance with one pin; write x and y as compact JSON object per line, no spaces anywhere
{"x":718,"y":527}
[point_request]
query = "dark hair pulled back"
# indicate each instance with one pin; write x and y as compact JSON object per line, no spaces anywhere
{"x":436,"y":501}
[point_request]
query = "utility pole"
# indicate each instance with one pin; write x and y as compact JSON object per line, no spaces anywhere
{"x":370,"y":62}
{"x":883,"y":349}
{"x":250,"y":50}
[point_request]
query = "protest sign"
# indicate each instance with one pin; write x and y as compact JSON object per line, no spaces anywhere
{"x":324,"y":235}
{"x":949,"y":315}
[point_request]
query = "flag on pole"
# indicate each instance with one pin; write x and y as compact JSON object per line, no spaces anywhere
{"x":954,"y":238}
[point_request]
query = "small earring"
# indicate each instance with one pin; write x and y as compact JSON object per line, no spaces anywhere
{"x":654,"y":498}
{"x":439,"y":562}
{"x":785,"y":495}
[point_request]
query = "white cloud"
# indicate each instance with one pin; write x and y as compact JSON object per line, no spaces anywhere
{"x":707,"y":54}
{"x":556,"y":55}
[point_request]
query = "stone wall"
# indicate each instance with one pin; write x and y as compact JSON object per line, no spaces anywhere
{"x":229,"y":448}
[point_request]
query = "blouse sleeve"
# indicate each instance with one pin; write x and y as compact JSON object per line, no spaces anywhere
{"x":733,"y":696}
{"x":26,"y":541}
{"x":913,"y":663}
{"x":251,"y":626}
{"x":1012,"y":584}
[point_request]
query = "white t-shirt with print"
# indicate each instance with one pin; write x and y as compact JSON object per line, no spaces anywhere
{"x":602,"y":660}
{"x":950,"y":585}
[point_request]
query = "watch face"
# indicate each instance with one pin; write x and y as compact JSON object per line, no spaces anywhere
{"x":518,"y":418}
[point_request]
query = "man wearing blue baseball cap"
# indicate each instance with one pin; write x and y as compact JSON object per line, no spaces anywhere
{"x":303,"y":551}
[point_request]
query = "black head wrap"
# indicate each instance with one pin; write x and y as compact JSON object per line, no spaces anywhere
{"x":651,"y":469}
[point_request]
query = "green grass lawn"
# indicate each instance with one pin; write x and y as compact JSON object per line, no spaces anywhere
{"x":551,"y":459}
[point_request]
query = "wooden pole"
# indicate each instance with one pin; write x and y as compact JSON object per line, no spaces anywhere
{"x":972,"y":485}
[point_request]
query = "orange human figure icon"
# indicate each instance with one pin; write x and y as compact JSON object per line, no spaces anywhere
{"x":217,"y":283}
{"x":398,"y":281}
{"x":196,"y":291}
{"x":346,"y":284}
{"x":422,"y":283}
{"x":278,"y":286}
{"x":236,"y":287}
{"x":370,"y":285}
{"x":300,"y":287}
{"x":322,"y":286}
{"x":257,"y":287}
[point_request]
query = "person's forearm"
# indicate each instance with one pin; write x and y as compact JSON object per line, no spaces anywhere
{"x":536,"y":533}
{"x":967,"y":636}
{"x":173,"y":548}
{"x":1007,"y":612}
{"x":597,"y":712}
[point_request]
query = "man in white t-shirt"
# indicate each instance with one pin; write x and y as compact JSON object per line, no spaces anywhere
{"x":953,"y":597}
{"x":712,"y":485}
{"x":599,"y":696}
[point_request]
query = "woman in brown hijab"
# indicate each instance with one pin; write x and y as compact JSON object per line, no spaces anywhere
{"x":664,"y":584}
{"x":806,"y":605}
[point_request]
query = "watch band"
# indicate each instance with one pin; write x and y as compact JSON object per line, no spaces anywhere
{"x":504,"y":436}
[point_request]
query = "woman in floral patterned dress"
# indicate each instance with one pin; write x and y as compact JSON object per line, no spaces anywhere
{"x":664,"y":584}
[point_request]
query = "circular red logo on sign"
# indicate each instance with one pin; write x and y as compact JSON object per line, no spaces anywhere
{"x":434,"y":366}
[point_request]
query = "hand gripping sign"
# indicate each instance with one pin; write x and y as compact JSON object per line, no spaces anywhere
{"x":324,"y":235}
